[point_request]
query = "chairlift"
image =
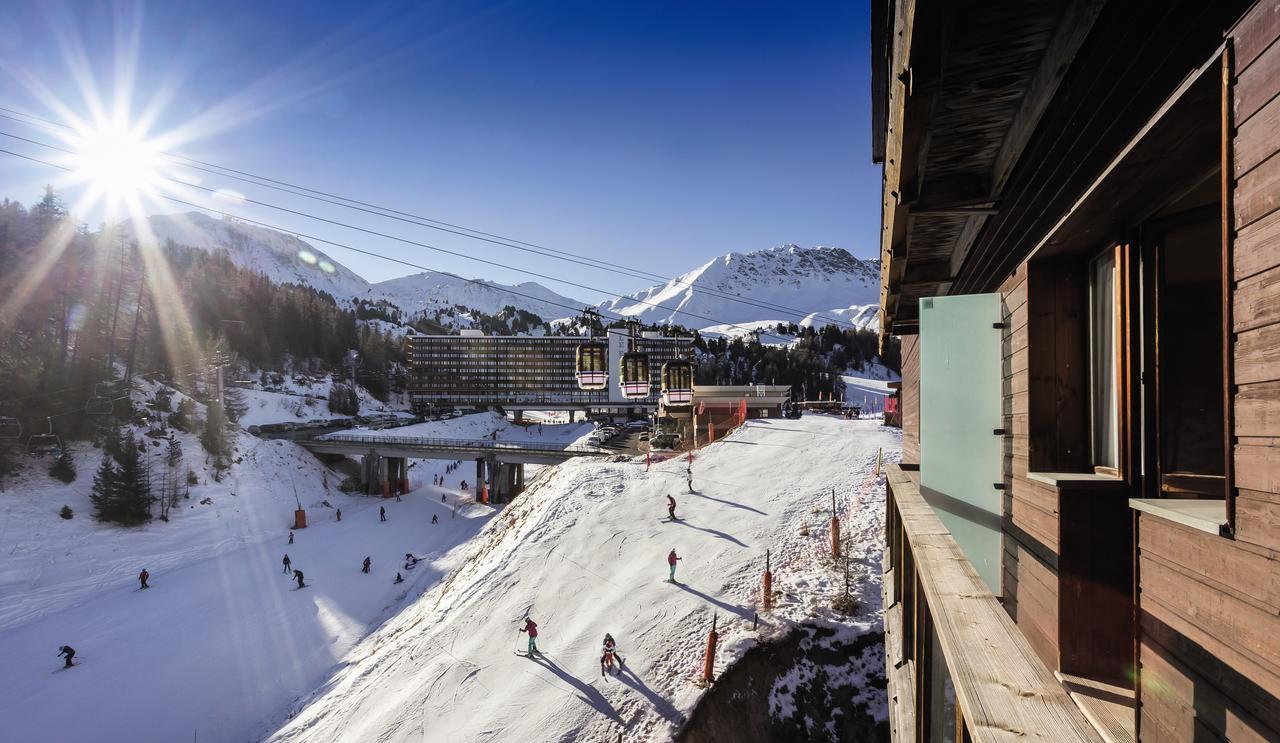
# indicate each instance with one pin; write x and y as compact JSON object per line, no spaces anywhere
{"x":677,"y":384}
{"x":634,"y":371}
{"x":591,"y":361}
{"x":44,"y":443}
{"x":10,"y":428}
{"x":102,"y":402}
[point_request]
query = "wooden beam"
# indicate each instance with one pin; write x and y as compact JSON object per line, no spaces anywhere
{"x":892,"y":220}
{"x":1074,"y":26}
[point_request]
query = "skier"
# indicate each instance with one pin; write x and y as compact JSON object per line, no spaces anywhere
{"x":382,"y":513}
{"x":290,"y":537}
{"x":671,"y":507}
{"x":531,"y":627}
{"x":367,"y":563}
{"x":399,"y":578}
{"x":610,"y":650}
{"x":435,"y":519}
{"x":339,"y":514}
{"x":689,"y":481}
{"x":69,"y":652}
{"x":464,"y":486}
{"x":298,"y":575}
{"x":672,"y":557}
{"x":287,"y":564}
{"x":142,"y":577}
{"x":442,"y":497}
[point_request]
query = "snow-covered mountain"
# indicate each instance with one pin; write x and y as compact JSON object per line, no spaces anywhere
{"x":424,"y":293}
{"x":813,"y":284}
{"x":284,"y":258}
{"x":281,"y":257}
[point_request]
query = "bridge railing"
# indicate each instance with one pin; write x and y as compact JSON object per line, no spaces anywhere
{"x":470,"y":444}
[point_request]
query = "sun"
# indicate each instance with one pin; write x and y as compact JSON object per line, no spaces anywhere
{"x":116,"y":161}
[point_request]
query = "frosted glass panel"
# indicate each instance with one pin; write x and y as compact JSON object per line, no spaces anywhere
{"x":960,"y":407}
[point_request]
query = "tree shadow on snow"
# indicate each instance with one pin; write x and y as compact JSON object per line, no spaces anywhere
{"x":661,"y":705}
{"x":713,"y":532}
{"x":716,"y":602}
{"x":586,"y":692}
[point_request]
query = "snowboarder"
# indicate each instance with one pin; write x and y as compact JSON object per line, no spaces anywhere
{"x":464,"y":485}
{"x":610,"y":649}
{"x":435,"y":519}
{"x":339,"y":514}
{"x":382,"y":513}
{"x":287,"y":564}
{"x":531,"y":627}
{"x":672,"y":557}
{"x":69,"y":652}
{"x":442,"y":497}
{"x":290,"y":537}
{"x":367,"y":563}
{"x":142,"y":577}
{"x":399,"y":578}
{"x":397,"y":495}
{"x":671,"y":507}
{"x":297,"y":574}
{"x":689,"y":482}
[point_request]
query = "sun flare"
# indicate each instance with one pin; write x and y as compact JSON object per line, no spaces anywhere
{"x":116,"y":161}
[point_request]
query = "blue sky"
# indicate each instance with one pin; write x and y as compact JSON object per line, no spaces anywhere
{"x":650,"y":134}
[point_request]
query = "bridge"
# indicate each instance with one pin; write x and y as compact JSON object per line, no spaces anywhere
{"x":499,"y":464}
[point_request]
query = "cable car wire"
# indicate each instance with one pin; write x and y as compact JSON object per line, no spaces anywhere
{"x":410,"y":264}
{"x":435,"y":224}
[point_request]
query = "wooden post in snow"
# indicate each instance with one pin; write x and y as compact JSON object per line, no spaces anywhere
{"x":709,"y":663}
{"x":768,"y":583}
{"x":835,"y":527}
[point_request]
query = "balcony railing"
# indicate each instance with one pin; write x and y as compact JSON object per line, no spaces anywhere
{"x":958,"y":668}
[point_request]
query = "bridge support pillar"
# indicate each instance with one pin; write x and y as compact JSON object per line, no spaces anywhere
{"x":518,"y":416}
{"x":373,"y":473}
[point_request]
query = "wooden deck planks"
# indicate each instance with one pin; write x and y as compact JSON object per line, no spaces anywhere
{"x":1004,"y":689}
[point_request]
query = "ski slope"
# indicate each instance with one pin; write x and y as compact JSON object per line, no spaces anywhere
{"x":221,"y":645}
{"x":583,"y":553}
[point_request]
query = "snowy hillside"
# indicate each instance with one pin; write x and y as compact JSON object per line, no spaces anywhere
{"x":222,"y":643}
{"x":826,"y":281}
{"x":280,"y":256}
{"x":424,"y":293}
{"x":583,"y":553}
{"x":283,"y":257}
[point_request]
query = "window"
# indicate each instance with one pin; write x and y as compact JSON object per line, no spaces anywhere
{"x":1104,"y":370}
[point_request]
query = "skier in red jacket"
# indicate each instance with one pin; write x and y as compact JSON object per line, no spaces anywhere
{"x":672,"y":557}
{"x":531,"y":627}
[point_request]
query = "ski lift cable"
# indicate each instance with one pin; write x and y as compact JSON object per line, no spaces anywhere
{"x":407,"y":241}
{"x":400,"y":261}
{"x":534,"y":248}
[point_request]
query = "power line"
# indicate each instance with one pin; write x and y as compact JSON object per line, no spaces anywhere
{"x":389,"y":237}
{"x":448,"y":227}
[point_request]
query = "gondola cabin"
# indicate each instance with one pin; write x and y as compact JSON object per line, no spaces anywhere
{"x":677,"y":384}
{"x":592,"y":366}
{"x":635,"y":375}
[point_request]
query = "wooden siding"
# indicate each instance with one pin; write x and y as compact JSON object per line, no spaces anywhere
{"x":1030,"y":508}
{"x":911,"y":399}
{"x":1209,"y":616}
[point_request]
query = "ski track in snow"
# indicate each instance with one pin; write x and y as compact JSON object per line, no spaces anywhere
{"x":443,"y":668}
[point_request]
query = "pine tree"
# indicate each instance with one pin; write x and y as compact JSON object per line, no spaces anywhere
{"x":133,"y":485}
{"x":105,"y":489}
{"x":64,"y":467}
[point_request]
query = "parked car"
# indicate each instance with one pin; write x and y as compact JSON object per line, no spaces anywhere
{"x":644,"y":435}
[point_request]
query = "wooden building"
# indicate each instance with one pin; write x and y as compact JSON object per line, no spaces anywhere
{"x":1081,"y":253}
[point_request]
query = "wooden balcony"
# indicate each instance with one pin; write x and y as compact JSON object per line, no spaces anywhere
{"x":958,"y":668}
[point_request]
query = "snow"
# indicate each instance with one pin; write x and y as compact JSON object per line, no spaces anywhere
{"x":583,"y":553}
{"x":424,"y":293}
{"x":221,"y":644}
{"x":299,"y":401}
{"x":808,"y":280}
